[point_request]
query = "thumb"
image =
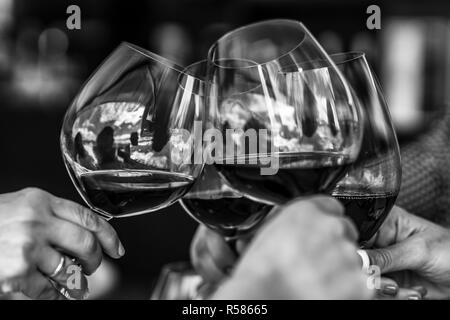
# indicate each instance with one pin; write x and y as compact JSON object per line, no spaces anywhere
{"x":398,"y":257}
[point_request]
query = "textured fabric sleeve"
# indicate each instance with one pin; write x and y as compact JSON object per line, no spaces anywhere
{"x":425,"y":189}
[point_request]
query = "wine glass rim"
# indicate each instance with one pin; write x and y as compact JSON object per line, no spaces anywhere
{"x":347,"y":56}
{"x":207,"y":61}
{"x":186,"y":72}
{"x":192,"y":65}
{"x":166,"y":62}
{"x":338,"y":58}
{"x":256,"y":24}
{"x":205,"y":81}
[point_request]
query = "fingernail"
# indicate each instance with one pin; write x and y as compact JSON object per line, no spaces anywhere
{"x":390,"y":290}
{"x":6,"y":288}
{"x":414,"y":297}
{"x":121,"y":249}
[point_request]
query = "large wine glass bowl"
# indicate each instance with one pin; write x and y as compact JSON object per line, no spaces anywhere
{"x":121,"y":140}
{"x":289,"y":120}
{"x":211,"y":200}
{"x":371,"y":186}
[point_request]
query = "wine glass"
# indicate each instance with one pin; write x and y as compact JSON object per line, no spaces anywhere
{"x":290,"y":124}
{"x":123,"y":138}
{"x":211,"y":200}
{"x":370,"y":188}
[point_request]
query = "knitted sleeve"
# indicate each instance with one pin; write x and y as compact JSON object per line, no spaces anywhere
{"x":425,"y":189}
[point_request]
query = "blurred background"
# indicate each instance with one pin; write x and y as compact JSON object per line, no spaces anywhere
{"x":43,"y":64}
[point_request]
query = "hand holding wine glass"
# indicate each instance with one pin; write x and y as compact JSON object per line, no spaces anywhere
{"x":288,"y":260}
{"x":414,"y":252}
{"x":297,"y":98}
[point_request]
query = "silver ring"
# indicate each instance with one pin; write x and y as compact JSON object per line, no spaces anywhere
{"x":365,"y":260}
{"x":59,"y":268}
{"x":6,"y":287}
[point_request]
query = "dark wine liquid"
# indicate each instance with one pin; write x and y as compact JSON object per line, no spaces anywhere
{"x":231,"y":217}
{"x":367,"y":211}
{"x":299,"y":174}
{"x":123,"y":192}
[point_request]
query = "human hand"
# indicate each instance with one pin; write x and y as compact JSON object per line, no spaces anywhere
{"x":307,"y":251}
{"x":38,"y":234}
{"x":211,"y":255}
{"x":415,"y":252}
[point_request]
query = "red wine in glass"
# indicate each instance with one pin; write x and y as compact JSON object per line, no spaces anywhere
{"x":123,"y":192}
{"x":231,"y":216}
{"x":299,"y":174}
{"x":214,"y":203}
{"x":367,"y":211}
